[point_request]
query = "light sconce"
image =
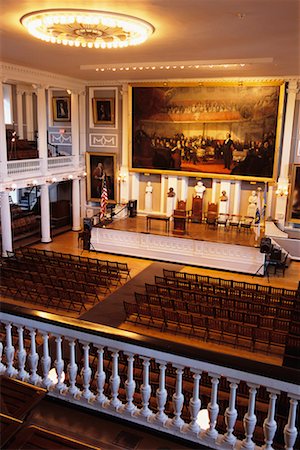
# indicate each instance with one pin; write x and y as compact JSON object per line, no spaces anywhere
{"x":32,"y":184}
{"x":282,"y":191}
{"x":69,"y":91}
{"x":122,"y":177}
{"x":12,"y":187}
{"x":68,"y":178}
{"x":51,"y":180}
{"x":83,"y":175}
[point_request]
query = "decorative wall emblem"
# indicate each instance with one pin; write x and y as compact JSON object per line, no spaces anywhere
{"x":57,"y":138}
{"x":103,"y":140}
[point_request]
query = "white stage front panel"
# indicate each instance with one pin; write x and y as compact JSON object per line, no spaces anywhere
{"x":237,"y":258}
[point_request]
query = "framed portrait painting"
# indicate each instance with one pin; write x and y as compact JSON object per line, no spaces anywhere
{"x":104,"y":111}
{"x":61,"y":109}
{"x":210,"y":129}
{"x":100,"y":167}
{"x":294,"y":201}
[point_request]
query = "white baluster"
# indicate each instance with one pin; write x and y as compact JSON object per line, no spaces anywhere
{"x":231,"y":414}
{"x":72,"y":370}
{"x":2,"y":366}
{"x":86,"y":373}
{"x":250,"y":419}
{"x":270,"y":424}
{"x":9,"y":352}
{"x":46,"y":362}
{"x":213,"y":408}
{"x":195,"y":403}
{"x":146,"y":389}
{"x":130,"y":385}
{"x":59,"y":366}
{"x":33,"y":359}
{"x":21,"y":354}
{"x":178,"y":399}
{"x":114,"y":381}
{"x":100,"y":379}
{"x":161,"y":394}
{"x":290,"y":431}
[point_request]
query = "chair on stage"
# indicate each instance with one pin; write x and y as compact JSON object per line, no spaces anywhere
{"x":181,"y":204}
{"x":246,"y":223}
{"x":222,"y":220}
{"x":179,"y":221}
{"x":234,"y":221}
{"x":211,"y":215}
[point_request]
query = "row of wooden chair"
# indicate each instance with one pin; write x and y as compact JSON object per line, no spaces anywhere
{"x":121,"y":267}
{"x":198,"y":278}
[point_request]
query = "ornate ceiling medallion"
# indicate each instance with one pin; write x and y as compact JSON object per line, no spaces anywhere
{"x":87,"y":28}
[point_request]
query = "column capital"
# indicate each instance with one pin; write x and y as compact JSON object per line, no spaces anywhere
{"x":293,"y":87}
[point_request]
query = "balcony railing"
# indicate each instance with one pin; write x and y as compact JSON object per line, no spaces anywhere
{"x":152,"y":382}
{"x":23,"y":167}
{"x":60,"y":162}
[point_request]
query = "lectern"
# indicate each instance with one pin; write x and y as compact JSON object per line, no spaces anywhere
{"x":179,"y":221}
{"x":197,"y":210}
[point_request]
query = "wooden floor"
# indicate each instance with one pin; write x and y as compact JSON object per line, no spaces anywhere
{"x":68,"y":243}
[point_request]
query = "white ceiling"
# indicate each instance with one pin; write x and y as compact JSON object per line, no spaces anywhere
{"x":267,"y":39}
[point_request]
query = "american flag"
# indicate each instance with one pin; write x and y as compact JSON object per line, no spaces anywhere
{"x":103,"y":200}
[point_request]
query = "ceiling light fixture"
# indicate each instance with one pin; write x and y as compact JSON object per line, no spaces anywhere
{"x":87,"y":28}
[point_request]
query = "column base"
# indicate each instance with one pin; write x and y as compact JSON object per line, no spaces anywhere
{"x":46,"y":241}
{"x":77,"y":228}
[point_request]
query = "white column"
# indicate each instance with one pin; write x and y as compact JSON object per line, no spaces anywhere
{"x":42,"y":128}
{"x":135,"y":187}
{"x":183,"y":195}
{"x":224,"y":206}
{"x":290,"y":430}
{"x":45,"y":214}
{"x":237,"y":197}
{"x":270,"y":199}
{"x":124,"y":185}
{"x":3,"y":145}
{"x":75,"y":128}
{"x":214,"y":191}
{"x":20,"y":119}
{"x":76,"y":205}
{"x":29,"y":115}
{"x":162,"y":194}
{"x":281,"y":201}
{"x":172,"y":201}
{"x":82,"y":197}
{"x":7,"y":244}
{"x":82,"y":121}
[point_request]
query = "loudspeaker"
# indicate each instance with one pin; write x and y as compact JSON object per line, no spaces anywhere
{"x":275,"y":254}
{"x":132,"y":207}
{"x":87,"y":224}
{"x":266,"y":245}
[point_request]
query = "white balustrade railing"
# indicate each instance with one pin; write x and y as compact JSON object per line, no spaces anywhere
{"x":60,"y":162}
{"x":106,"y":370}
{"x":23,"y":167}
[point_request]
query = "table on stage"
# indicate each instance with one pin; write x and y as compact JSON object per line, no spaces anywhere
{"x":155,"y":217}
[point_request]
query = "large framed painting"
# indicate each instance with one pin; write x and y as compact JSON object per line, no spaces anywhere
{"x":100,"y":167}
{"x":294,"y":201}
{"x":224,"y":130}
{"x":61,"y":109}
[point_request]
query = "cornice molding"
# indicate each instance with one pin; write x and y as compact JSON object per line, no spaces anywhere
{"x":23,"y":74}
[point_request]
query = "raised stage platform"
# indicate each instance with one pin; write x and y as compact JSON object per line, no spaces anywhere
{"x":214,"y":248}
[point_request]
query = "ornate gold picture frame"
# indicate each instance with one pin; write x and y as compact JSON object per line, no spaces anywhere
{"x":294,"y":200}
{"x":210,"y":129}
{"x":104,"y":111}
{"x":100,"y":166}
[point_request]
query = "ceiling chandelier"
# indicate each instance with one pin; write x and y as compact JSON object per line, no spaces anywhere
{"x":87,"y":28}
